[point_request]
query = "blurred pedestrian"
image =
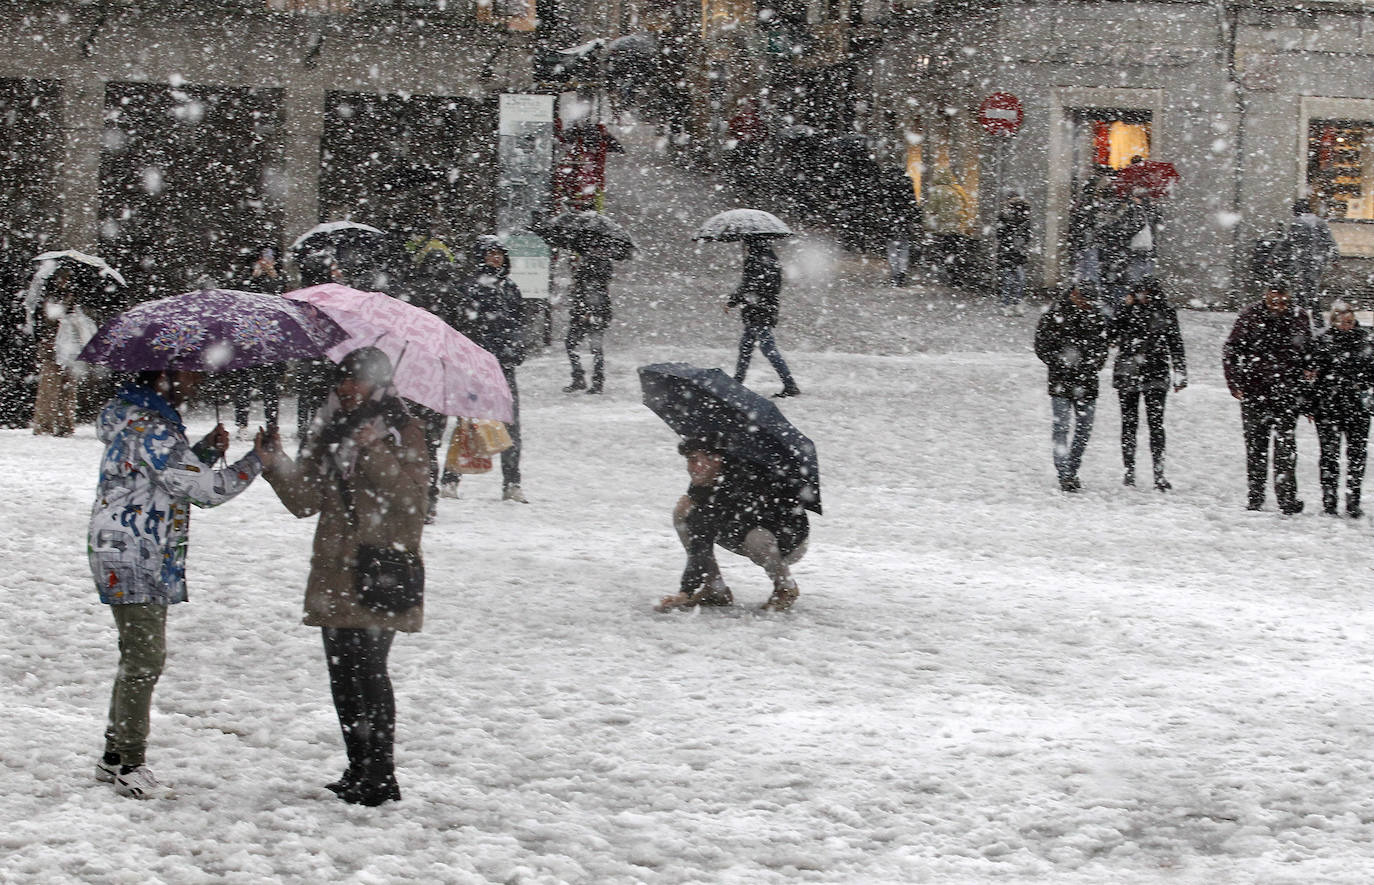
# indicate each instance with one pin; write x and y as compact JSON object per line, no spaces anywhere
{"x":758,"y":298}
{"x":1266,"y":360}
{"x":1342,"y":378}
{"x":60,"y":329}
{"x":363,"y":471}
{"x":489,"y":310}
{"x":1311,"y":248}
{"x":901,"y":221}
{"x":589,"y":315}
{"x":1013,"y":251}
{"x":266,"y":277}
{"x":1071,"y":340}
{"x":150,"y":476}
{"x":1149,"y":360}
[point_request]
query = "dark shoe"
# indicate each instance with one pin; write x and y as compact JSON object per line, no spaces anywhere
{"x":787,"y":391}
{"x":1069,"y":484}
{"x":372,"y":793}
{"x":595,"y":388}
{"x":347,"y":781}
{"x":1291,"y":508}
{"x":1162,"y":484}
{"x":1128,"y":478}
{"x":1353,"y":511}
{"x":577,"y":384}
{"x":1330,"y":510}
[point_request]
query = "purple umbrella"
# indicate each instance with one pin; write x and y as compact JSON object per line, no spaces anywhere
{"x":212,"y":330}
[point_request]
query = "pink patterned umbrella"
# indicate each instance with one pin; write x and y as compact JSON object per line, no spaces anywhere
{"x":436,"y":365}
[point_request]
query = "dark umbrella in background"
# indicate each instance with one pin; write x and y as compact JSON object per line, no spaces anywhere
{"x":588,"y":229}
{"x":350,"y":245}
{"x":710,"y":405}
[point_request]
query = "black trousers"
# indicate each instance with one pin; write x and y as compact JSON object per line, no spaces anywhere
{"x":510,"y":458}
{"x":1330,"y":431}
{"x":1262,"y":422}
{"x":1154,"y":421}
{"x":363,"y":698}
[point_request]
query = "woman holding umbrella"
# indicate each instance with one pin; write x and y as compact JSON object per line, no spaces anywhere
{"x":758,"y":299}
{"x":365,"y":471}
{"x":589,"y":315}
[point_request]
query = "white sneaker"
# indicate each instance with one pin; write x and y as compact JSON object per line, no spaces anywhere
{"x":513,"y":493}
{"x":140,"y":784}
{"x":105,"y":772}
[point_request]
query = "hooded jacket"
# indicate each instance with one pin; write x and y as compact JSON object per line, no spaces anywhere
{"x":489,"y":308}
{"x":1072,"y":343}
{"x":149,"y":477}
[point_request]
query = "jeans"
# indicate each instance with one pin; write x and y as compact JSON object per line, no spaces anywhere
{"x":142,"y":653}
{"x":1075,"y":414}
{"x":763,"y":336}
{"x":1013,"y":285}
{"x":363,"y":698}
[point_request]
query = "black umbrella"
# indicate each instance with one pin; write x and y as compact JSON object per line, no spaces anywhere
{"x":708,"y":404}
{"x":585,"y":230}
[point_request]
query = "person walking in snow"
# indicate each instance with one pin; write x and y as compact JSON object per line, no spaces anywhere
{"x":489,"y":310}
{"x":901,"y":222}
{"x":758,"y":298}
{"x":1013,"y":251}
{"x":730,"y":504}
{"x":1071,"y":340}
{"x":1266,"y":358}
{"x":1342,"y":377}
{"x":1310,"y":248}
{"x":364,"y":470}
{"x":1149,"y":360}
{"x":589,"y":316}
{"x":139,"y":533}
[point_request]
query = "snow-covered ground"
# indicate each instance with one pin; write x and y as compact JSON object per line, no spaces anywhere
{"x":985,"y":680}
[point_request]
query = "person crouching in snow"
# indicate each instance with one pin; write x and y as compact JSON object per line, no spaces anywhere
{"x":730,"y":504}
{"x":140,"y":524}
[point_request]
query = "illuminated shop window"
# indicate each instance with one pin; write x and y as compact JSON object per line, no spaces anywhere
{"x":1340,"y":167}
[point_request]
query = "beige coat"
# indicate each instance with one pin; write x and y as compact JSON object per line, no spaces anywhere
{"x":391,"y":499}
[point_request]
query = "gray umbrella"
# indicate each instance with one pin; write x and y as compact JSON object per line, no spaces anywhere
{"x":739,"y":224}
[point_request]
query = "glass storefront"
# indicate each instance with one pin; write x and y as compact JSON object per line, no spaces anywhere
{"x":1340,"y":167}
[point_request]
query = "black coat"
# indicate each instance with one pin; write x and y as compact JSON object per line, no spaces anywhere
{"x":901,"y":211}
{"x":589,"y":302}
{"x":739,"y":501}
{"x":1343,"y":370}
{"x":489,"y":308}
{"x":1149,"y":345}
{"x":1072,"y":343}
{"x":761,"y":289}
{"x":1013,"y":236}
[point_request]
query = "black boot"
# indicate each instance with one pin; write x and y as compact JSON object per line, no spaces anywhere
{"x":1329,"y":500}
{"x":1352,"y":504}
{"x":579,"y":382}
{"x":597,"y":379}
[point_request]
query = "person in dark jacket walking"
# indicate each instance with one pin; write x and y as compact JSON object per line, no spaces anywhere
{"x":1071,"y":340}
{"x":730,"y":504}
{"x":1266,"y":360}
{"x":1013,"y":250}
{"x":758,"y":299}
{"x":1342,"y":377}
{"x":489,"y":311}
{"x":589,"y":315}
{"x":1149,"y":361}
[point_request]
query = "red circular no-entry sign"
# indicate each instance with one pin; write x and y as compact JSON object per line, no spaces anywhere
{"x":1000,"y":114}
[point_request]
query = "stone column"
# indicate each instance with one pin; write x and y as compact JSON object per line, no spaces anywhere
{"x":78,"y":165}
{"x":304,"y":110}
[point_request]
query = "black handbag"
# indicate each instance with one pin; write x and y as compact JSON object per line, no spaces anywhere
{"x":390,"y":581}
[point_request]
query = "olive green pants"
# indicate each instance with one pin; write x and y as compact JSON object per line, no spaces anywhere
{"x":142,"y":651}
